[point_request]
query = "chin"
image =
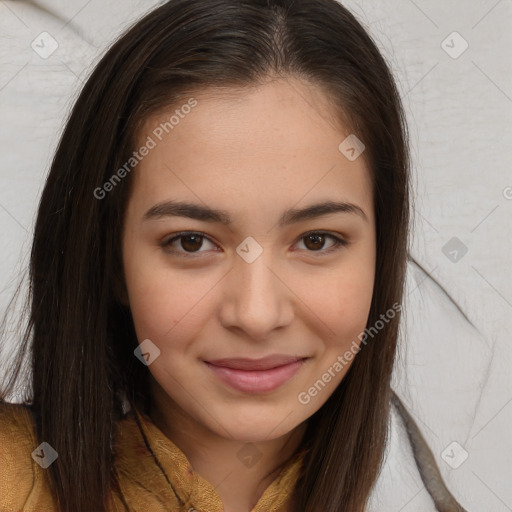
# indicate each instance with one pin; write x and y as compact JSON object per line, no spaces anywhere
{"x":256,"y":425}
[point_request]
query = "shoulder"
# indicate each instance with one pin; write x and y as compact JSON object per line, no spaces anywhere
{"x":15,"y":415}
{"x":17,"y":429}
{"x":20,"y":484}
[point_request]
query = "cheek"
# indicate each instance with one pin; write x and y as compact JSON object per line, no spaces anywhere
{"x":165,"y":304}
{"x":340,"y":300}
{"x":354,"y":295}
{"x":344,"y":309}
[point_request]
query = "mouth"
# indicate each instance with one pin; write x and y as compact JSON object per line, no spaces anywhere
{"x":256,"y":375}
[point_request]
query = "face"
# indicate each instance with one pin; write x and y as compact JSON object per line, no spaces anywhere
{"x":252,"y":305}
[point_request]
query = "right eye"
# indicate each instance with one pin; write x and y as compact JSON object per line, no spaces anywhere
{"x":191,"y":242}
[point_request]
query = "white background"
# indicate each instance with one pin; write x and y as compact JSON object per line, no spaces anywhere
{"x":453,"y":367}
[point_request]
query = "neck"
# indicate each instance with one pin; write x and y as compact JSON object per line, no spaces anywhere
{"x":239,"y":471}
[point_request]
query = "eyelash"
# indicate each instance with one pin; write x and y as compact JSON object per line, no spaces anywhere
{"x":339,"y":243}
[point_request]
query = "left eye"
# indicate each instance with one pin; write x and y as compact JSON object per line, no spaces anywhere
{"x":191,"y":242}
{"x":318,"y":238}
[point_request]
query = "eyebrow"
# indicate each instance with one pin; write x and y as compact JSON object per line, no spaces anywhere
{"x":213,"y":215}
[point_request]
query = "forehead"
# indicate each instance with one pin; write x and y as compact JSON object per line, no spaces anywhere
{"x":256,"y":149}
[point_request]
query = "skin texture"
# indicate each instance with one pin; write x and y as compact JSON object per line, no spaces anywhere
{"x":255,"y":153}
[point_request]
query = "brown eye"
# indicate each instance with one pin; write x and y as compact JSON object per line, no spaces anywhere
{"x":190,"y":243}
{"x":315,"y":241}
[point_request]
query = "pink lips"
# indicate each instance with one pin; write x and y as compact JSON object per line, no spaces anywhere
{"x":256,"y":375}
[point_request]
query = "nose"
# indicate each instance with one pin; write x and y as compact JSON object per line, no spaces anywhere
{"x":256,"y":299}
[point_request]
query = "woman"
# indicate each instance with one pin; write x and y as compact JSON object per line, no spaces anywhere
{"x":255,"y":374}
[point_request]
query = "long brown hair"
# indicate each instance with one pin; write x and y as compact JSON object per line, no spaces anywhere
{"x":82,"y":337}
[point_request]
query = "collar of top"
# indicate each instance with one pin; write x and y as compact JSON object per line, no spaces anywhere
{"x":152,"y":470}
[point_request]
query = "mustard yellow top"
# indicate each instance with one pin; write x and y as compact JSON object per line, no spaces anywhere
{"x":161,"y":481}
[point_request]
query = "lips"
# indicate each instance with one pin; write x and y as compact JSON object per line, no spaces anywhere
{"x":256,"y":375}
{"x":265,"y":363}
